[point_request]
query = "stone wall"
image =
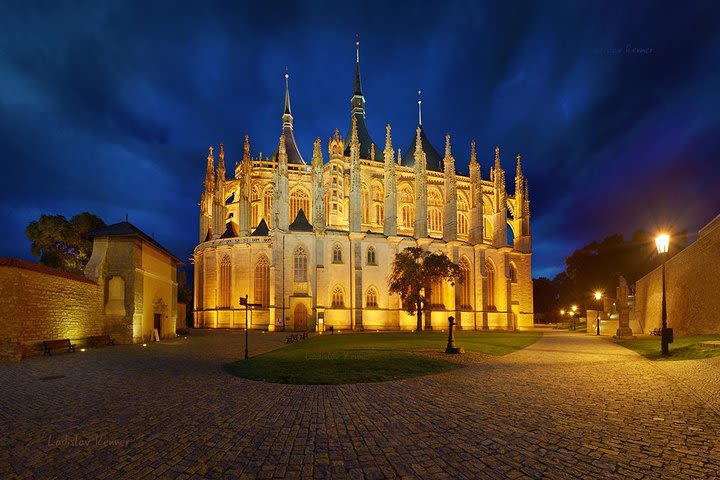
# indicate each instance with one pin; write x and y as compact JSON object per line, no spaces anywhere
{"x":692,"y":289}
{"x":39,"y":303}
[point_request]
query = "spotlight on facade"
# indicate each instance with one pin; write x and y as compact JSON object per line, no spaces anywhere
{"x":82,"y":349}
{"x":144,"y":344}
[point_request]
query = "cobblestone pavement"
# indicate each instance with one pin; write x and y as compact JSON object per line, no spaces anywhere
{"x":569,"y":406}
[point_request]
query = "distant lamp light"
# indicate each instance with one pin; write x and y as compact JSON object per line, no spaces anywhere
{"x":598,"y":295}
{"x":562,"y":312}
{"x":82,"y":349}
{"x":574,"y":308}
{"x":144,"y":344}
{"x":662,"y":242}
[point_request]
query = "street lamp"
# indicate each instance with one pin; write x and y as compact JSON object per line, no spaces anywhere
{"x":574,"y":312}
{"x":662,"y":242}
{"x":598,"y":296}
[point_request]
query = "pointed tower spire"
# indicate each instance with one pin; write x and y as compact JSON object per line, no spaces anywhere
{"x":419,"y":107}
{"x":390,"y":207}
{"x":355,"y":203}
{"x":358,"y":84}
{"x":476,"y":205}
{"x":246,"y":149}
{"x":420,"y":170}
{"x":448,"y":152}
{"x":287,"y":114}
{"x":210,"y":171}
{"x":354,"y":132}
{"x":497,"y":158}
{"x":518,"y":169}
{"x":450,"y":207}
{"x":221,"y":165}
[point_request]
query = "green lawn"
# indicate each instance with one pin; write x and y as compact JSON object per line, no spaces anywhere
{"x":369,"y":357}
{"x":682,"y":348}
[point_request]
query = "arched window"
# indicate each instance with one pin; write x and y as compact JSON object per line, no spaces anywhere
{"x":466,"y":284}
{"x":435,"y":205}
{"x":435,"y":220}
{"x":267,"y":205}
{"x":513,"y":273}
{"x":408,"y":218}
{"x":299,"y":199}
{"x":371,"y":256}
{"x":365,"y":200}
{"x":436,"y":293}
{"x":379,"y":213}
{"x":337,"y":298}
{"x":490,"y":284}
{"x":225,"y":276}
{"x":254,"y":206}
{"x":371,"y":298}
{"x":262,"y":281}
{"x":337,"y":254}
{"x":462,"y":224}
{"x":300,"y":264}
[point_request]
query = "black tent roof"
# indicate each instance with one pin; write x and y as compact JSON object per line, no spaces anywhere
{"x":301,"y":223}
{"x":262,"y":230}
{"x":434,"y":159}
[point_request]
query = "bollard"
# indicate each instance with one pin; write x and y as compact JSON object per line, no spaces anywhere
{"x":451,"y":348}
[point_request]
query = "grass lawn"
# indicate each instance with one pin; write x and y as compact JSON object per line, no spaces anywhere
{"x":369,"y":357}
{"x":682,"y":348}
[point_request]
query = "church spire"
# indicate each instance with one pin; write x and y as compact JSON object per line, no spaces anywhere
{"x":246,"y":149}
{"x":358,"y":84}
{"x":210,"y":171}
{"x":287,"y":114}
{"x":419,"y":108}
{"x":221,"y":165}
{"x":497,"y":158}
{"x":518,"y":170}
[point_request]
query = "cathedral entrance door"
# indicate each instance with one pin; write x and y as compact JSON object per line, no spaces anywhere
{"x":300,"y":317}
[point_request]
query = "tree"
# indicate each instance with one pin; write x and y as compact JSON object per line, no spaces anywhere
{"x":414,"y":271}
{"x":60,"y":243}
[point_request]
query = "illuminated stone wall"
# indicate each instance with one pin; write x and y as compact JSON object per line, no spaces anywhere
{"x":39,"y":303}
{"x":692,"y":286}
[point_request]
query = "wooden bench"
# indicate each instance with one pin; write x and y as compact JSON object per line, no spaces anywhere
{"x":50,"y":345}
{"x":100,"y":340}
{"x":656,"y":331}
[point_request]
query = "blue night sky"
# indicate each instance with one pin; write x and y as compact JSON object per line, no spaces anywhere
{"x":110,"y":107}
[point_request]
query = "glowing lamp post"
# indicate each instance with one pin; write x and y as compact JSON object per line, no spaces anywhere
{"x":598,"y":297}
{"x":662,"y":242}
{"x":574,"y":312}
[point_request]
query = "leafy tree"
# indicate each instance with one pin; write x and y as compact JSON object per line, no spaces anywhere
{"x":414,"y":271}
{"x":60,"y":243}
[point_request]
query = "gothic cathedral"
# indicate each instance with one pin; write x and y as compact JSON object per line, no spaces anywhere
{"x":312,"y":245}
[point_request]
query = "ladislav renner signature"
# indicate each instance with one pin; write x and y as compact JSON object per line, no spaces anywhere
{"x":91,"y":441}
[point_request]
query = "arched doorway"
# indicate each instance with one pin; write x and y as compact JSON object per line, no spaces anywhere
{"x":300,"y":317}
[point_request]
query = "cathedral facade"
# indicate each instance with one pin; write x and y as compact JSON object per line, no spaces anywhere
{"x":311,"y":244}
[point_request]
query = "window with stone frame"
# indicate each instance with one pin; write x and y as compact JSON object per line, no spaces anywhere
{"x":371,"y":260}
{"x":225,"y":282}
{"x":337,"y":256}
{"x":300,"y":264}
{"x":338,"y":300}
{"x":371,"y":298}
{"x":262,"y":281}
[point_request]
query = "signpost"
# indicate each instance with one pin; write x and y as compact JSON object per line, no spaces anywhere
{"x":244,"y":301}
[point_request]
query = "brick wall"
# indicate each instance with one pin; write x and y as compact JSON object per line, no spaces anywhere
{"x":39,"y":303}
{"x":692,"y":289}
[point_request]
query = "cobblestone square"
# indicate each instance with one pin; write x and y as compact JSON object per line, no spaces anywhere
{"x":569,"y":406}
